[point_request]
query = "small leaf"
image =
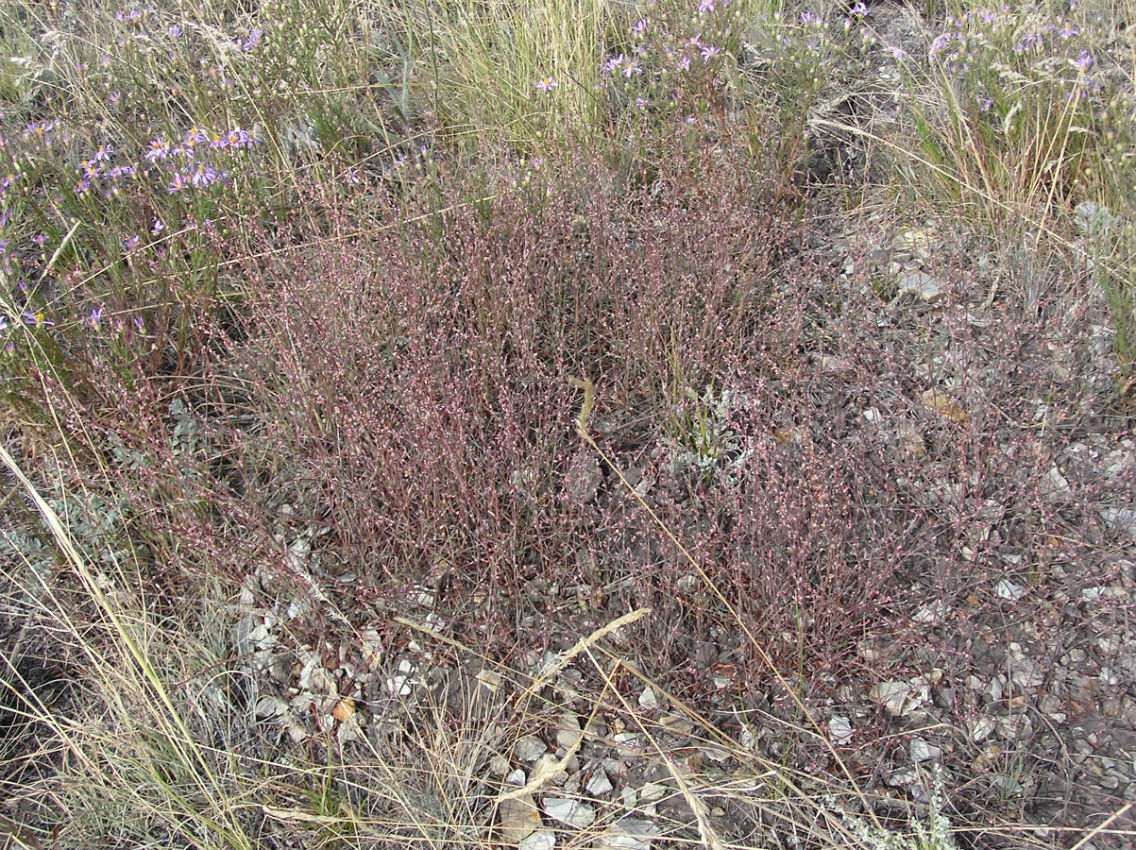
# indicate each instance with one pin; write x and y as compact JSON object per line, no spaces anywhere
{"x":343,"y":709}
{"x":519,"y":818}
{"x":944,"y":405}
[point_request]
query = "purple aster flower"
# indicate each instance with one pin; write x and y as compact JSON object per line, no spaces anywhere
{"x":157,"y":227}
{"x":204,"y":175}
{"x":859,"y":10}
{"x":705,"y":6}
{"x":250,"y":43}
{"x":546,"y":84}
{"x":614,"y":62}
{"x":159,"y":149}
{"x":131,"y":242}
{"x":639,"y":28}
{"x":1083,"y":62}
{"x":35,"y":320}
{"x":192,"y":138}
{"x":238,"y":138}
{"x":709,"y":53}
{"x":178,"y":183}
{"x":96,"y":317}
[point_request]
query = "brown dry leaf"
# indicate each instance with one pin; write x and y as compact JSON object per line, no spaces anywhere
{"x":489,"y":679}
{"x":944,"y":405}
{"x":785,"y":435}
{"x":519,"y":818}
{"x":343,"y":709}
{"x":916,"y":237}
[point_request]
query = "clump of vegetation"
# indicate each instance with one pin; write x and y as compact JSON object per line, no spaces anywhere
{"x":393,"y":390}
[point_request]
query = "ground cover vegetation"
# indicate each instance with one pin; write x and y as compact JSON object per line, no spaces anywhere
{"x":567,"y":423}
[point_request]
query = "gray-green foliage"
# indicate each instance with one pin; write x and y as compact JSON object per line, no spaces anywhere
{"x":706,"y":441}
{"x":95,"y":522}
{"x":1106,"y":241}
{"x":934,"y":834}
{"x":98,"y":522}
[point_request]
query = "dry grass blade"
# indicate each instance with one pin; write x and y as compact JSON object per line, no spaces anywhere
{"x":131,"y":634}
{"x":583,"y":644}
{"x":1103,"y":827}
